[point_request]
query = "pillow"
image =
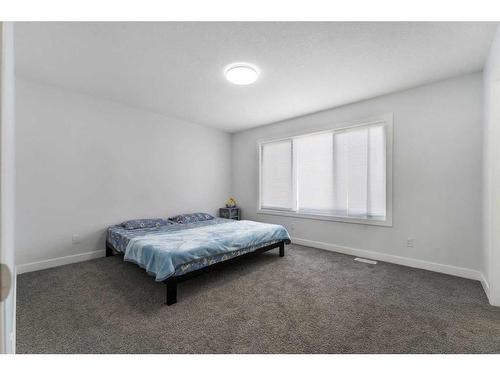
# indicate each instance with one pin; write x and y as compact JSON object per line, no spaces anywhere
{"x":191,"y":218}
{"x":144,"y":223}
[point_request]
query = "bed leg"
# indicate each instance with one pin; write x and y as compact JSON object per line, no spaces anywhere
{"x":171,"y":291}
{"x":282,"y":249}
{"x":109,"y":250}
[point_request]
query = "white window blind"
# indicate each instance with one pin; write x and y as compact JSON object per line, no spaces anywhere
{"x":377,"y":174}
{"x":359,"y":172}
{"x":314,"y":154}
{"x":276,"y":175}
{"x":338,"y":173}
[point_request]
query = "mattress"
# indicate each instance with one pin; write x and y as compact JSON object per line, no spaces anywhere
{"x":176,"y":249}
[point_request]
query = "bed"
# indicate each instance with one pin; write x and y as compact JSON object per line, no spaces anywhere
{"x":173,"y":252}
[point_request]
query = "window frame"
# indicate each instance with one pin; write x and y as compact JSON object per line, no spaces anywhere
{"x":386,"y":120}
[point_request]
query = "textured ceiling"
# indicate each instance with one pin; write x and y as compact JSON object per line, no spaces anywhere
{"x":176,"y":68}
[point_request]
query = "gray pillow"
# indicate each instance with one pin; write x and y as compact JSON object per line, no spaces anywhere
{"x":191,"y":218}
{"x":144,"y":223}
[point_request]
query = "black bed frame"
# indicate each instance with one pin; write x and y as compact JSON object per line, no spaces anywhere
{"x":172,"y":281}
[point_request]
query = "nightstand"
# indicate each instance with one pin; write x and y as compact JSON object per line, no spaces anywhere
{"x":230,"y":213}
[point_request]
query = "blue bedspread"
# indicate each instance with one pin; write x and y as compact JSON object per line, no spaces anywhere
{"x":119,"y":237}
{"x":179,"y":249}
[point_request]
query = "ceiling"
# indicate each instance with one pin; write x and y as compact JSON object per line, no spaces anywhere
{"x":176,"y":68}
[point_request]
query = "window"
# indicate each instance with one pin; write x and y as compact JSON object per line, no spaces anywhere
{"x":340,"y":174}
{"x":277,"y":185}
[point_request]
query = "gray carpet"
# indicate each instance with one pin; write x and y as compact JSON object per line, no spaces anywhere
{"x":310,"y":301}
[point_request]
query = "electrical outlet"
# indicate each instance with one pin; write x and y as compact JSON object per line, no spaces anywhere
{"x":75,"y":239}
{"x":409,"y":242}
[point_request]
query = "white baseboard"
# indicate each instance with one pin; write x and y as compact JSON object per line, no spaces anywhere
{"x":486,"y":286}
{"x":54,"y":262}
{"x":404,"y":261}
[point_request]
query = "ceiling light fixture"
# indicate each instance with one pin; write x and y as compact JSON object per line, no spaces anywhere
{"x":241,"y":73}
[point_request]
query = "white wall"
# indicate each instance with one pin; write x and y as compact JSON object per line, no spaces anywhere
{"x":491,"y":256}
{"x":85,"y":163}
{"x":437,"y":173}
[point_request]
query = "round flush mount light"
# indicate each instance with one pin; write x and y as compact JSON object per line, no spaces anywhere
{"x":241,"y":73}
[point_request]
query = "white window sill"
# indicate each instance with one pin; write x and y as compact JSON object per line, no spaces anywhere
{"x":383,"y":223}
